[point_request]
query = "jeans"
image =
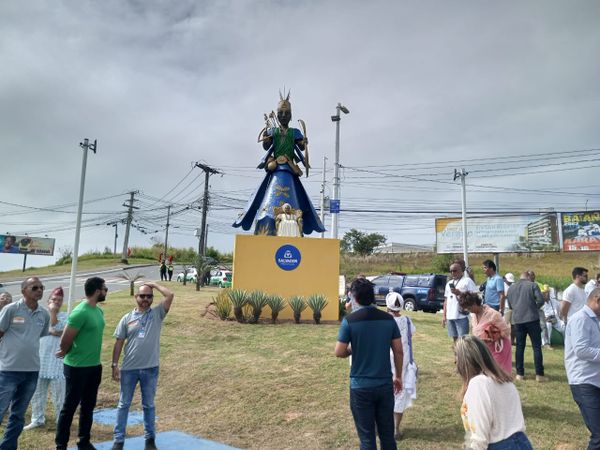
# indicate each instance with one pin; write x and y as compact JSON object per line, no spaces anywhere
{"x":81,"y":389}
{"x":587,"y":397}
{"x":148,"y":379}
{"x":534,"y":331}
{"x":517,"y":441}
{"x":458,"y":327}
{"x":40,"y":398}
{"x":372,"y":406}
{"x":16,"y":390}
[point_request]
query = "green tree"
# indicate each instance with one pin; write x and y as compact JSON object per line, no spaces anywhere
{"x":360,"y":242}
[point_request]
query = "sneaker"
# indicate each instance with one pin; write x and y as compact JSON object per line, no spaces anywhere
{"x":33,"y":425}
{"x":150,"y":445}
{"x":541,"y":378}
{"x":548,"y":347}
{"x":87,"y":446}
{"x":520,"y":377}
{"x":117,"y":446}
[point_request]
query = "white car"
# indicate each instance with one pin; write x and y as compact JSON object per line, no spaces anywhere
{"x":191,"y":275}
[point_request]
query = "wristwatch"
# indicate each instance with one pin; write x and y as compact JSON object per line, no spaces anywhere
{"x":113,"y":365}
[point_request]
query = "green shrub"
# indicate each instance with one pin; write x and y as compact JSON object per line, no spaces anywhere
{"x":277,"y":304}
{"x":239,"y":299}
{"x":298,"y":305}
{"x":257,"y":300}
{"x":223,"y":304}
{"x":317,"y":303}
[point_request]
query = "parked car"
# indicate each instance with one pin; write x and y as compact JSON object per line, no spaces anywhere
{"x":191,"y":275}
{"x":222,"y":278}
{"x":420,"y":292}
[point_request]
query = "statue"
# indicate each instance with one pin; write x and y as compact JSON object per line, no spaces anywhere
{"x":280,"y":205}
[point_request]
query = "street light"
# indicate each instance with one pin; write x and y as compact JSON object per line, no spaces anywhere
{"x":334,"y":208}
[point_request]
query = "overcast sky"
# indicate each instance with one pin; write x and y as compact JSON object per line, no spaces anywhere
{"x":431,"y":86}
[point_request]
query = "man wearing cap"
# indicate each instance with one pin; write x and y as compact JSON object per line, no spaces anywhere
{"x":139,"y":330}
{"x":81,"y":347}
{"x":367,"y":334}
{"x":21,"y":325}
{"x":51,"y":367}
{"x":582,"y":363}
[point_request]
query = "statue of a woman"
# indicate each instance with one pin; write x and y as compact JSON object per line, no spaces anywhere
{"x":281,"y":185}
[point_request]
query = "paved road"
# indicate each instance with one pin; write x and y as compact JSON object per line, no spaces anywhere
{"x":113,"y":282}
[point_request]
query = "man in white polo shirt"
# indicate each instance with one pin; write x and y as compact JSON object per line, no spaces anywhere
{"x":21,"y":325}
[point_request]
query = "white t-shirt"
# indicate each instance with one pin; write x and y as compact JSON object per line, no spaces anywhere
{"x":490,"y":412}
{"x":576,"y":297}
{"x":465,"y":284}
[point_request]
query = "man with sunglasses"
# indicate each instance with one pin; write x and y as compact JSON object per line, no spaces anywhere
{"x":81,"y":345}
{"x":139,"y":331}
{"x":21,"y":325}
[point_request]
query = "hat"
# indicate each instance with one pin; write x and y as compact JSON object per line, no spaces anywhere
{"x":390,"y":301}
{"x":58,"y":292}
{"x":509,"y":277}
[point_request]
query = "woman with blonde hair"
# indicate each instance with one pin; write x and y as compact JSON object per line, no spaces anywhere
{"x":491,"y":407}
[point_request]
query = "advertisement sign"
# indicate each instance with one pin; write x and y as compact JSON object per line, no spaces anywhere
{"x":26,"y":244}
{"x":581,"y":231}
{"x":288,"y":257}
{"x":499,"y":234}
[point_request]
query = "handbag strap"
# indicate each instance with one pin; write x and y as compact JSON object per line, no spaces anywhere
{"x":410,"y":349}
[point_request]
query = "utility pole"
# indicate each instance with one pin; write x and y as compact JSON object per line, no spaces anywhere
{"x":116,"y":225}
{"x":125,"y":254}
{"x":335,"y":202}
{"x":167,"y":231}
{"x":208,"y":171}
{"x":85,"y":145}
{"x":323,"y":181}
{"x":462,"y":175}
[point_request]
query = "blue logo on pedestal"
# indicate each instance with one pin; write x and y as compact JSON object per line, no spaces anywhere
{"x":288,"y":257}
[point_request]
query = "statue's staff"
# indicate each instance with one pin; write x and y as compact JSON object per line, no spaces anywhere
{"x":305,"y":144}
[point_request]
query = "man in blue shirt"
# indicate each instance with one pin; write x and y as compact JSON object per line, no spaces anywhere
{"x":494,"y":287}
{"x":367,"y":334}
{"x":582,"y":363}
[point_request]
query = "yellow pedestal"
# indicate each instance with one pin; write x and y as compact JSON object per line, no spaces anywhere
{"x":289,"y":266}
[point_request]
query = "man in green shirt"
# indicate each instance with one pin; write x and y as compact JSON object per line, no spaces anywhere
{"x":80,"y":345}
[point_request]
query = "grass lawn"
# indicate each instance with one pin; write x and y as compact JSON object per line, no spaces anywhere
{"x":280,"y":387}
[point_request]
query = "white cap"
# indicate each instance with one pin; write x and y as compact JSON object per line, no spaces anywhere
{"x":390,"y":301}
{"x":509,"y":277}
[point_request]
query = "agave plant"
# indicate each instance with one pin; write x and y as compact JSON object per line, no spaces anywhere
{"x":257,"y":300}
{"x":223,"y":304}
{"x":132,"y":278}
{"x":238,"y":298}
{"x":317,"y":303}
{"x":298,"y":305}
{"x":277,"y":304}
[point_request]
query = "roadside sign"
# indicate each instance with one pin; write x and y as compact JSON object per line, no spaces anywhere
{"x":334,"y":206}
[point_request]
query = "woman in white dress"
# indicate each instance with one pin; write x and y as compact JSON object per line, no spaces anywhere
{"x":404,"y":398}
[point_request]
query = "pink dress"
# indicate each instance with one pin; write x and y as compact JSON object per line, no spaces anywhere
{"x":494,"y":331}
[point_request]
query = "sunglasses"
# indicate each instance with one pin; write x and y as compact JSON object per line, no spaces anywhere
{"x":454,"y":270}
{"x":37,"y":288}
{"x":146,"y":296}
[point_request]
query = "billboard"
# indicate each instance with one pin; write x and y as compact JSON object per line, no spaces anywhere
{"x":26,"y":244}
{"x":581,"y":231}
{"x":499,"y":234}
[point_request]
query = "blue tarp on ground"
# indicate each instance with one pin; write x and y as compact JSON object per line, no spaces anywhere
{"x":169,"y":440}
{"x":108,"y":416}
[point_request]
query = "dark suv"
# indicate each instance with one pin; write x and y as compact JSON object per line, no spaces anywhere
{"x":420,"y":292}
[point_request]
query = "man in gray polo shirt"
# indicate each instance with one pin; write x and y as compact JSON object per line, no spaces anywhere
{"x":21,"y":325}
{"x":139,"y":330}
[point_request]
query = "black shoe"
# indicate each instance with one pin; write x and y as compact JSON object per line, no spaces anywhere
{"x":87,"y":446}
{"x":150,"y":445}
{"x":117,"y":446}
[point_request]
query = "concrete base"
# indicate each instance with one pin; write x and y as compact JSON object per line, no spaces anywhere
{"x":168,"y":440}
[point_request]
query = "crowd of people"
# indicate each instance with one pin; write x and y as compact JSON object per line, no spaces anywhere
{"x":483,"y":322}
{"x":42,"y":348}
